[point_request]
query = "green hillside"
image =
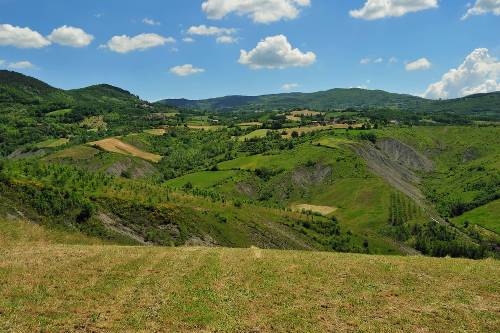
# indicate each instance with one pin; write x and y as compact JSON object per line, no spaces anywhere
{"x":32,"y":112}
{"x":48,"y":285}
{"x":479,"y":106}
{"x":108,"y":165}
{"x":323,"y":100}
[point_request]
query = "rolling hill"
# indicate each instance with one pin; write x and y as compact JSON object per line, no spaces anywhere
{"x":32,"y":111}
{"x":323,"y":100}
{"x":101,"y":161}
{"x":485,"y":106}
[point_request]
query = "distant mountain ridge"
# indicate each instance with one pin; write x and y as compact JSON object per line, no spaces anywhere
{"x":487,"y":104}
{"x":333,"y":98}
{"x":22,"y":89}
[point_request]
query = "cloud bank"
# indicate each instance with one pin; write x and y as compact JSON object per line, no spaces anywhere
{"x":125,"y":44}
{"x":23,"y":38}
{"x":482,"y":7}
{"x":70,"y":36}
{"x":260,"y":11}
{"x":378,"y":9}
{"x":186,"y":70}
{"x":421,"y":64}
{"x":479,"y":73}
{"x":275,"y":53}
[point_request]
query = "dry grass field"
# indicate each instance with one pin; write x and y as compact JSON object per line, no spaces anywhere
{"x":250,"y":124}
{"x":293,"y":118}
{"x":48,"y":286}
{"x":304,"y":129}
{"x":52,"y":143}
{"x":323,"y":210}
{"x":116,"y":146}
{"x":156,"y":131}
{"x":305,"y":113}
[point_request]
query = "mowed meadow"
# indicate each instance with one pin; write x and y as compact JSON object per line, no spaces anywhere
{"x":61,"y":282}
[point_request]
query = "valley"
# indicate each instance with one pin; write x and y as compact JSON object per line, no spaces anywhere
{"x":134,"y":172}
{"x":220,"y":220}
{"x":250,"y":166}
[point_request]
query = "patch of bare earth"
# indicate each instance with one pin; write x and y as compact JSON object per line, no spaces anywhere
{"x":323,"y":210}
{"x":116,"y":146}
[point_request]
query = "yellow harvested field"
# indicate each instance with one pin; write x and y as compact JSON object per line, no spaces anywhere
{"x":155,"y":131}
{"x":345,"y":126}
{"x":293,"y":118}
{"x":305,"y":113}
{"x":323,"y":210}
{"x":305,"y":129}
{"x":116,"y":146}
{"x":250,"y":124}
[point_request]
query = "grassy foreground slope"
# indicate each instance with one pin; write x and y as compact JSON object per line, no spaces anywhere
{"x":50,"y":286}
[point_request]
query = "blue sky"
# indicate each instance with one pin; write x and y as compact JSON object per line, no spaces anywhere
{"x":332,"y":44}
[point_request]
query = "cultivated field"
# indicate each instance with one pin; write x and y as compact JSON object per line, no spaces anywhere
{"x":287,"y":132}
{"x":323,"y":210}
{"x":52,"y":143}
{"x":305,"y":113}
{"x":52,"y":287}
{"x":293,"y":118}
{"x":260,"y":133}
{"x":250,"y":124}
{"x":116,"y":146}
{"x":155,"y":131}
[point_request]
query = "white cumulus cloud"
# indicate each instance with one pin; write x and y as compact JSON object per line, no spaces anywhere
{"x":21,"y":65}
{"x":365,"y":61}
{"x":276,"y":52}
{"x":479,"y":73}
{"x":227,"y":39}
{"x":377,"y":9}
{"x":188,"y":40}
{"x":186,"y":70}
{"x":289,"y":86}
{"x":150,"y":21}
{"x":378,"y":60}
{"x":125,"y":44}
{"x":418,"y":65}
{"x":261,"y":11}
{"x":482,"y":7}
{"x":21,"y":37}
{"x":70,"y":36}
{"x":203,"y":30}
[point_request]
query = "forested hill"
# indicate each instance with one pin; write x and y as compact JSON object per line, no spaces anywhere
{"x":485,"y":105}
{"x":21,"y":89}
{"x":32,"y":111}
{"x":322,"y":100}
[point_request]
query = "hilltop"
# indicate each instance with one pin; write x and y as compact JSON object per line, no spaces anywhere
{"x":480,"y":106}
{"x":323,"y":100}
